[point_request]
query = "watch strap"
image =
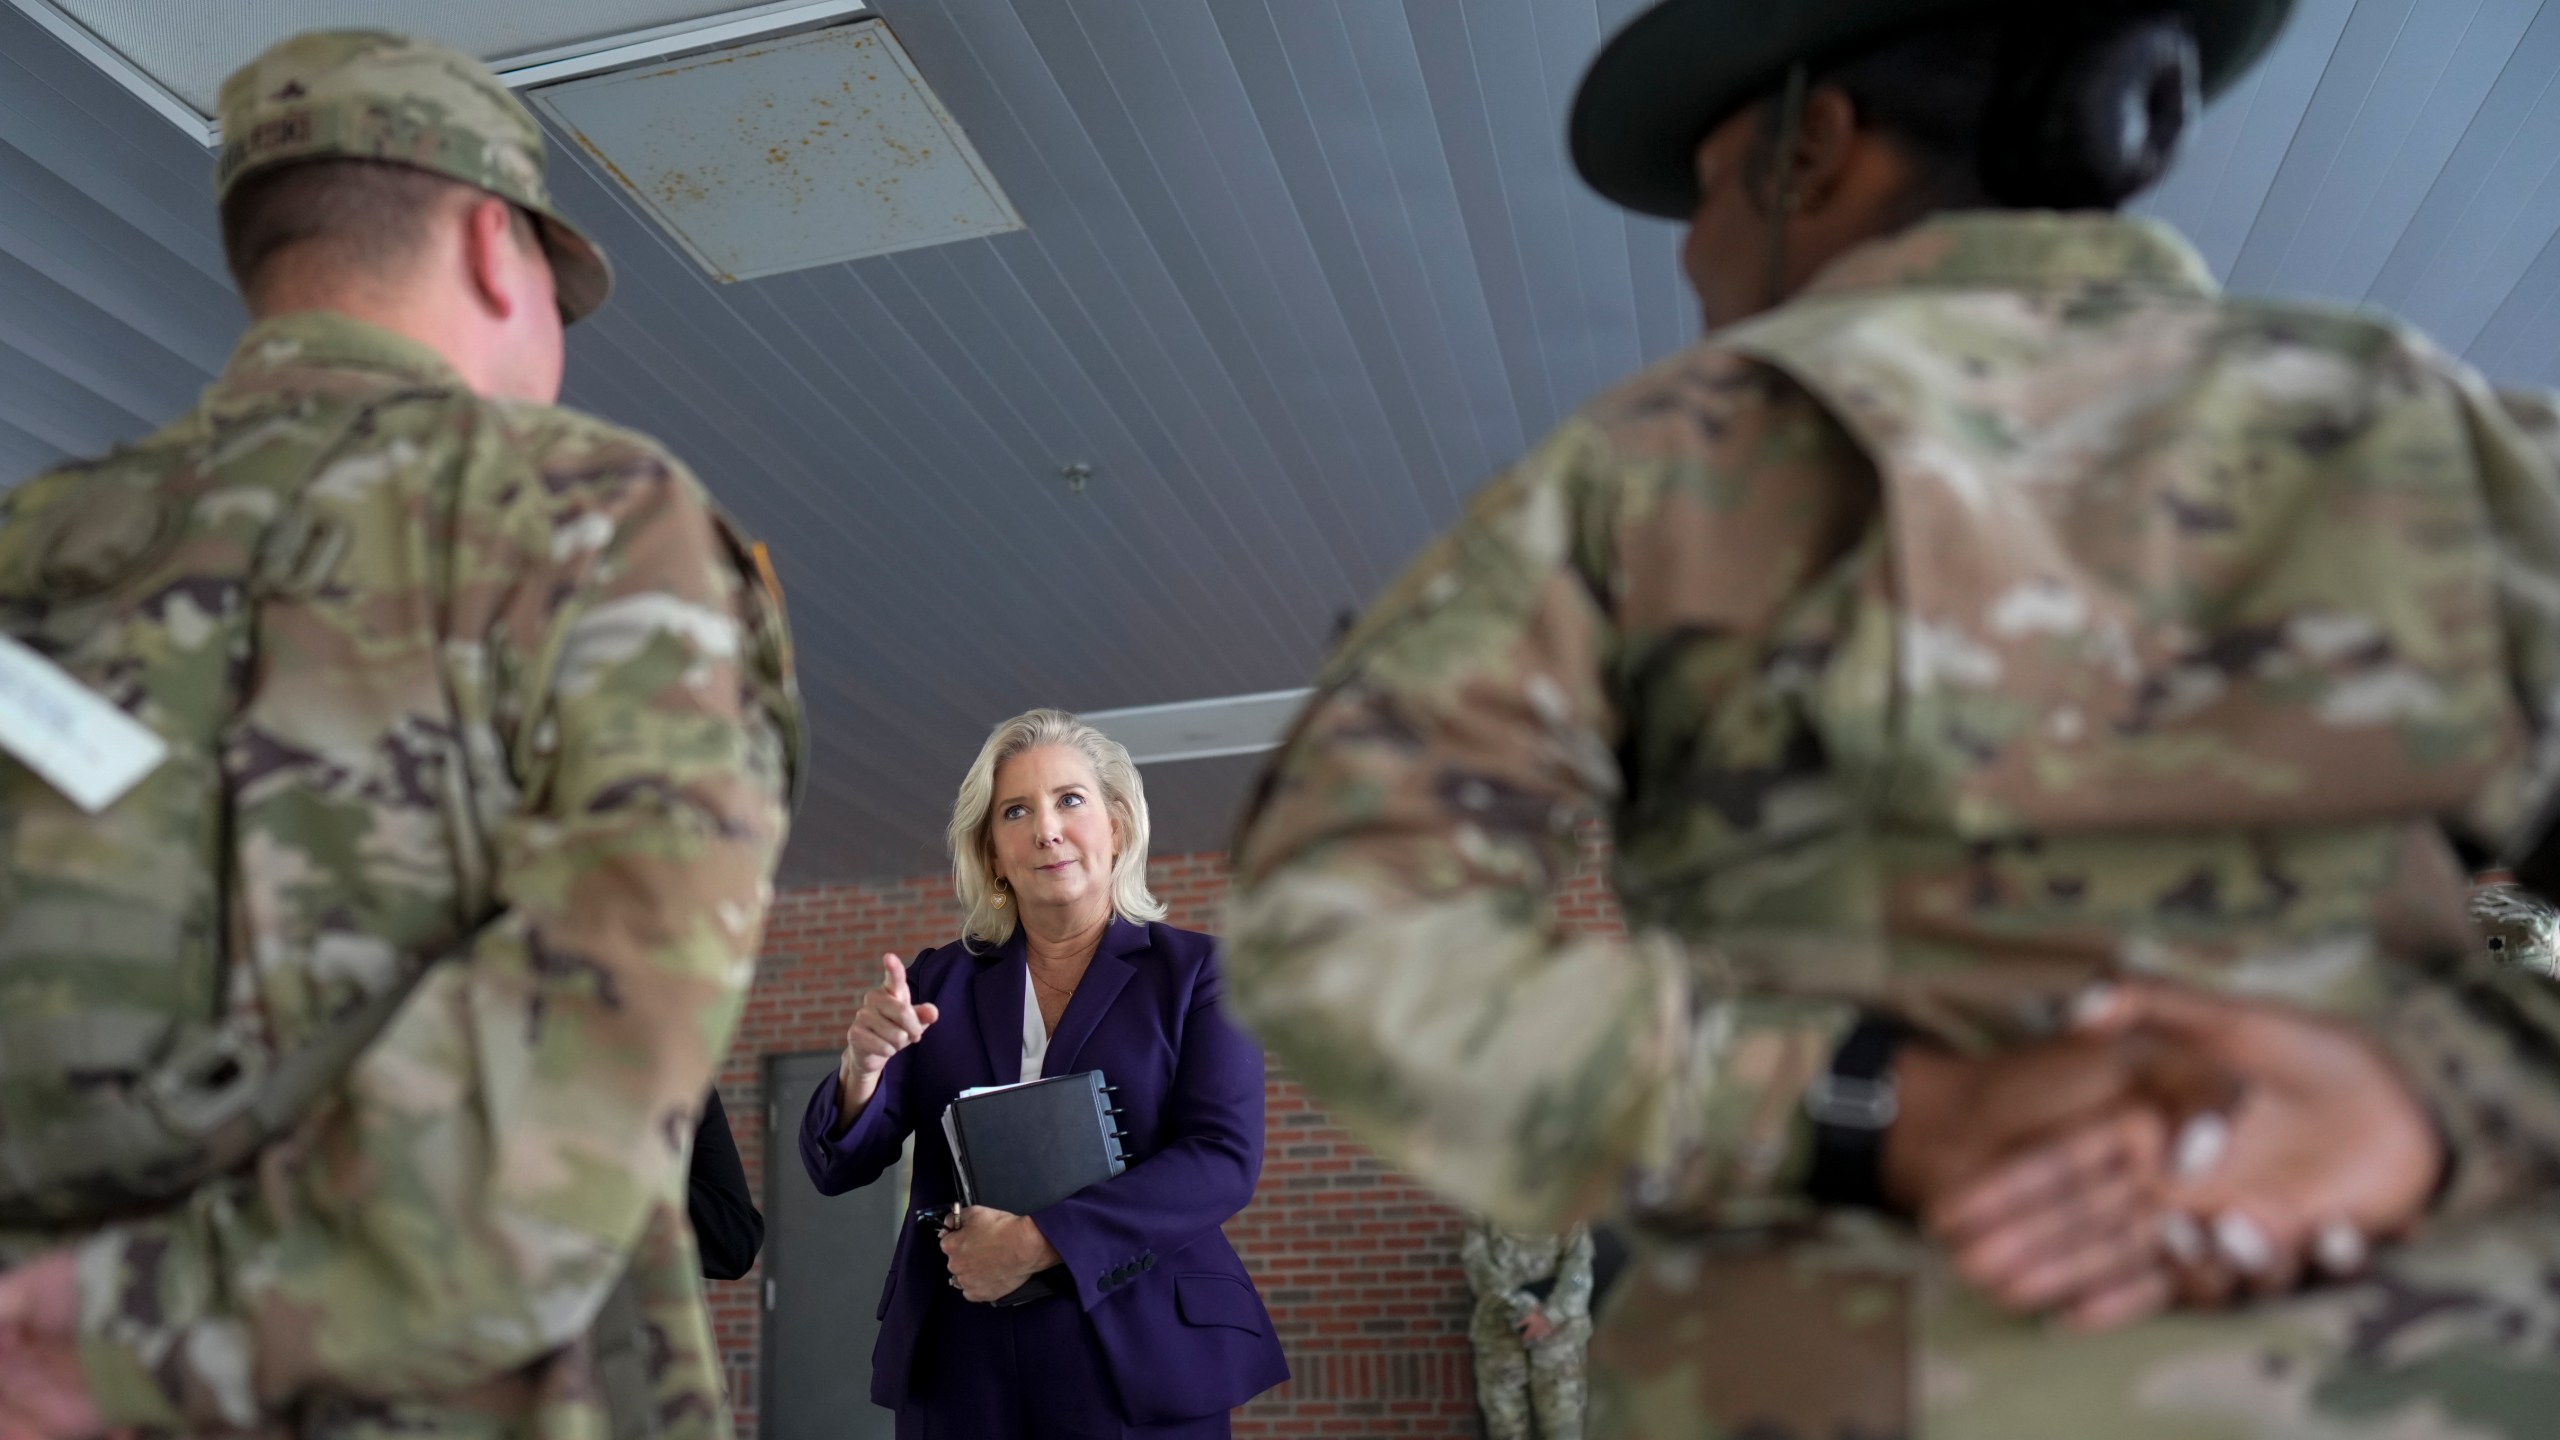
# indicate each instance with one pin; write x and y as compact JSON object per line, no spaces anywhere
{"x":1852,"y":1105}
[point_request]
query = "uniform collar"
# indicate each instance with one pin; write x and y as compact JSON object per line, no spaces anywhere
{"x":2022,"y":250}
{"x":286,"y":351}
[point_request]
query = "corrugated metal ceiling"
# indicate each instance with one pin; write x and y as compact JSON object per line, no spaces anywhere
{"x":1298,"y":275}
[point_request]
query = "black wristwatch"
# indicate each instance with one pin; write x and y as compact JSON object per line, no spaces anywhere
{"x":1852,"y":1105}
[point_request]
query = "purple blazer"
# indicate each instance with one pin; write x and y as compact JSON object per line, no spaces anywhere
{"x":1177,"y":1316}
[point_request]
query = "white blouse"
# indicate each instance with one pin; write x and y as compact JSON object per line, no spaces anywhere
{"x":1035,"y":1031}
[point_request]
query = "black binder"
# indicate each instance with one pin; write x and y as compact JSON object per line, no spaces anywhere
{"x":1021,"y":1148}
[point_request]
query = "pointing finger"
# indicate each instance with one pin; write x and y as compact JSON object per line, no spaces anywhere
{"x":893,"y":976}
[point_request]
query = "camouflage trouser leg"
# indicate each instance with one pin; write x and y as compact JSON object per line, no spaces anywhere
{"x":1502,"y":1387}
{"x":2456,"y":1338}
{"x":1558,"y":1391}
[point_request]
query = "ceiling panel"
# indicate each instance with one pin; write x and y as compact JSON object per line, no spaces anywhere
{"x":2435,"y":272}
{"x":189,"y":46}
{"x":2520,"y":339}
{"x":2222,"y":182}
{"x":2422,"y":118}
{"x":785,"y":154}
{"x":2353,"y":111}
{"x":1298,"y":274}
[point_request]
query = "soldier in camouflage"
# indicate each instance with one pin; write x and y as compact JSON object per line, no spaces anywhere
{"x":502,"y":723}
{"x":1531,"y":1325}
{"x":1989,"y":609}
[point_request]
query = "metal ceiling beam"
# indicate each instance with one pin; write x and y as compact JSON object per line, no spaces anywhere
{"x":1202,"y":729}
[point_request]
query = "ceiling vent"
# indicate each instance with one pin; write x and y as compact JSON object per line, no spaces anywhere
{"x":783,"y":154}
{"x":765,"y":138}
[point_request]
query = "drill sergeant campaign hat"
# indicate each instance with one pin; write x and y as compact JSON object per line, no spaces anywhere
{"x":1683,"y":67}
{"x":370,"y":95}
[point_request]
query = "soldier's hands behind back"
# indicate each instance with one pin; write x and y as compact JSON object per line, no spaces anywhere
{"x":2041,"y":1169}
{"x":1959,"y":1116}
{"x":44,"y":1394}
{"x":2327,"y":1139}
{"x":2320,"y":1149}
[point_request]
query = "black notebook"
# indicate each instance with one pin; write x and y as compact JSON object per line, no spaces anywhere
{"x":1021,"y":1148}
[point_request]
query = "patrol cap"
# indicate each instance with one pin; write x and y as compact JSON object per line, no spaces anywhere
{"x":371,"y":95}
{"x":1681,"y":68}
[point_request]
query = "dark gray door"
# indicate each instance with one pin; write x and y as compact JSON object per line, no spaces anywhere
{"x":824,"y":1261}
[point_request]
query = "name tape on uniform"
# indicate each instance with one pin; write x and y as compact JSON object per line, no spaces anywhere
{"x":68,"y":733}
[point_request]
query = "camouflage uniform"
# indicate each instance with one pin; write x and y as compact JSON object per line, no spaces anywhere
{"x":516,"y":708}
{"x":2008,"y":610}
{"x":1516,"y":1378}
{"x":2518,"y":928}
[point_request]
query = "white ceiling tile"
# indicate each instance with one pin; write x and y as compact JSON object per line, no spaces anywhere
{"x":786,"y":154}
{"x":190,"y":46}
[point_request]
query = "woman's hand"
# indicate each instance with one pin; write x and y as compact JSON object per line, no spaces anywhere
{"x":886,"y":1024}
{"x":991,"y":1252}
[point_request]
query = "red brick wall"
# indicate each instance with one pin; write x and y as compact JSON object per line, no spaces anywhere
{"x":1357,"y":1263}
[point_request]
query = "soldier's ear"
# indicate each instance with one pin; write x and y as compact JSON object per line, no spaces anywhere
{"x":498,"y":253}
{"x":1824,"y":142}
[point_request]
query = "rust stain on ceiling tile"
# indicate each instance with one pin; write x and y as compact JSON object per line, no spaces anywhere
{"x":798,"y":153}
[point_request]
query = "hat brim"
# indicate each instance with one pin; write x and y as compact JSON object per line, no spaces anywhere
{"x":1681,"y":68}
{"x":581,"y":278}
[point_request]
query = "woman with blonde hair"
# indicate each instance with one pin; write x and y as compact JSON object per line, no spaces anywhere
{"x":1065,"y":964}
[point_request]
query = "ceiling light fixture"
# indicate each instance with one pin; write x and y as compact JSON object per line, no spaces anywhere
{"x":1202,"y":729}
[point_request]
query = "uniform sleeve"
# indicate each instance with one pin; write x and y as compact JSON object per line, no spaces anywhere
{"x":459,"y":1207}
{"x":1394,"y":936}
{"x":2479,"y":1034}
{"x":1571,"y":1299}
{"x":1475,"y":1256}
{"x":2516,"y":436}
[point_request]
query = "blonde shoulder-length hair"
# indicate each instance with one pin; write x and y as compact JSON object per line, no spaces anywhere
{"x":1124,"y":798}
